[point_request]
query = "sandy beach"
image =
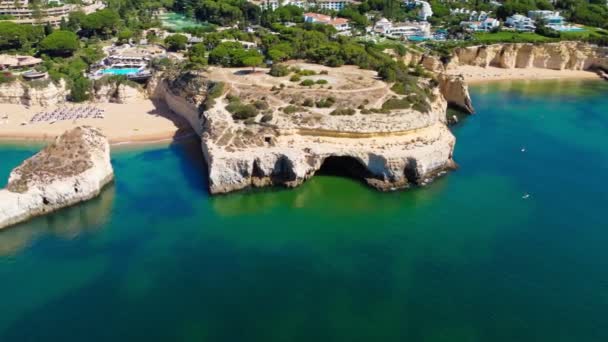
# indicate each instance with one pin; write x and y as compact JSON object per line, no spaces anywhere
{"x":142,"y":121}
{"x":476,"y":74}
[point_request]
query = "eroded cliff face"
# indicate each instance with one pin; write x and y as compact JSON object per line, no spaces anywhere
{"x":386,"y":150}
{"x":72,"y":169}
{"x":557,"y":56}
{"x":116,"y":92}
{"x":34,"y":93}
{"x":456,"y":92}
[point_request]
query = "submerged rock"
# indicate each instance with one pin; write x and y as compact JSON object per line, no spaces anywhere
{"x":72,"y":169}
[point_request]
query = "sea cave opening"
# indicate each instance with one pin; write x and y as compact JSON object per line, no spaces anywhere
{"x":344,"y":166}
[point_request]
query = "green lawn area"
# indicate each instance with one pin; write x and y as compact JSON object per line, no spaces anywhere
{"x":510,"y":37}
{"x":530,"y":37}
{"x":589,"y":32}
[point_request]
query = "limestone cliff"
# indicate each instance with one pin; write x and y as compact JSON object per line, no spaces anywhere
{"x":117,"y":91}
{"x":388,"y":150}
{"x":456,"y":91}
{"x":558,"y":56}
{"x":33,"y":93}
{"x":72,"y":169}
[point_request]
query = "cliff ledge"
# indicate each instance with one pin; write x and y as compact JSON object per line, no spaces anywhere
{"x":342,"y":123}
{"x":72,"y":169}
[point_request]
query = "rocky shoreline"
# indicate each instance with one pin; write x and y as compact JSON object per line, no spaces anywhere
{"x":387,"y":151}
{"x":72,"y":169}
{"x":557,"y":56}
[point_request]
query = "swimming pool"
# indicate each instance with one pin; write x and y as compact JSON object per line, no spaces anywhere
{"x":416,"y":38}
{"x":566,"y":28}
{"x":120,"y":71}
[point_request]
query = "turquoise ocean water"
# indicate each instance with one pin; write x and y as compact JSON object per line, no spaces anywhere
{"x":468,"y":258}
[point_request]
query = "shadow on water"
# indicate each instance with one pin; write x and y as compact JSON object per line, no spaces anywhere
{"x":192,"y":163}
{"x":67,"y":223}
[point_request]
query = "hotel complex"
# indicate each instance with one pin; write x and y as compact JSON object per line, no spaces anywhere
{"x":21,"y":11}
{"x":332,"y":5}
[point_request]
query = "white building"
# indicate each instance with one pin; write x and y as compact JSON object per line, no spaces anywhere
{"x":332,"y":5}
{"x":382,"y":26}
{"x":489,"y":24}
{"x":425,"y":10}
{"x":486,"y":25}
{"x":520,"y":23}
{"x":403,"y":30}
{"x":551,"y":18}
{"x":340,"y":24}
{"x":481,"y":16}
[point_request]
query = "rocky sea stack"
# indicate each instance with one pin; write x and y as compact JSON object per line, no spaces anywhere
{"x":257,"y":130}
{"x":72,"y":169}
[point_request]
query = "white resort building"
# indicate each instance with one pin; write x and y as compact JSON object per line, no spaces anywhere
{"x":402,"y":30}
{"x":520,"y":23}
{"x":332,"y":5}
{"x":21,"y":12}
{"x":127,"y":60}
{"x":340,"y":24}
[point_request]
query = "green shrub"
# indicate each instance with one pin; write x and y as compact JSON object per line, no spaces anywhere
{"x":365,"y":111}
{"x":308,"y":102}
{"x":6,"y":77}
{"x":215,"y":90}
{"x":326,"y":103}
{"x":290,"y":109}
{"x":279,"y":70}
{"x":80,"y":89}
{"x":261,"y":105}
{"x":232,"y":98}
{"x":321,"y":82}
{"x":306,"y":72}
{"x":295,"y":78}
{"x":343,"y":111}
{"x":266,"y":117}
{"x":241,"y":111}
{"x":395,"y":103}
{"x":307,"y":83}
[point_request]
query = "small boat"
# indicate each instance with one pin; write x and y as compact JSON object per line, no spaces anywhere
{"x":525,"y":196}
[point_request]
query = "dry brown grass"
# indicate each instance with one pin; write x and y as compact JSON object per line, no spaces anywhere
{"x":65,"y":157}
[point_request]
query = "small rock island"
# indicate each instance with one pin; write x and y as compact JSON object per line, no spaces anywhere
{"x":72,"y":169}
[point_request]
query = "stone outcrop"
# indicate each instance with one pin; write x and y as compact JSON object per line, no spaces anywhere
{"x":72,"y":169}
{"x":33,"y":93}
{"x":387,"y":150}
{"x":432,"y":63}
{"x":557,"y":56}
{"x":456,"y":92}
{"x":117,"y":92}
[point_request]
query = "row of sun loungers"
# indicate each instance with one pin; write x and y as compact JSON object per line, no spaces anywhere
{"x":69,"y":113}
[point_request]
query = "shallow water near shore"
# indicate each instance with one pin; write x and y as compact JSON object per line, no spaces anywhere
{"x":510,"y":247}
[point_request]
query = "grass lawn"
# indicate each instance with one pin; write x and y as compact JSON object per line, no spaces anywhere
{"x":510,"y":37}
{"x":589,"y":32}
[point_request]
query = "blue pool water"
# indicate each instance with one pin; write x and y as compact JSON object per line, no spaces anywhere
{"x":417,"y":38}
{"x":120,"y":71}
{"x":566,"y":28}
